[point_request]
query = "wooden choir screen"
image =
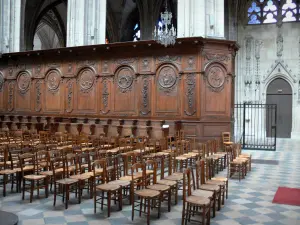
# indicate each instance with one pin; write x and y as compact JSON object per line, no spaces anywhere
{"x":133,"y":86}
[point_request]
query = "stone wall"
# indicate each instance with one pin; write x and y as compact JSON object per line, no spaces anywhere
{"x":268,"y":52}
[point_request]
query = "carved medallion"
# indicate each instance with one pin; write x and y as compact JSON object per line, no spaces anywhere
{"x":125,"y":80}
{"x":1,"y":81}
{"x":216,"y":78}
{"x":53,"y":80}
{"x":86,"y":80}
{"x":167,"y":77}
{"x":23,"y":81}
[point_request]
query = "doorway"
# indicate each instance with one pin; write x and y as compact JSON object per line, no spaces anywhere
{"x":279,"y":92}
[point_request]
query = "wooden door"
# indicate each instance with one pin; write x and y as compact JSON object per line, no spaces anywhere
{"x":279,"y":92}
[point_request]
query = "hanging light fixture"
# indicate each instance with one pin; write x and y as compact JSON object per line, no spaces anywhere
{"x":165,"y":33}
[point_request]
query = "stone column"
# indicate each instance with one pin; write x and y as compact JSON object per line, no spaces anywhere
{"x":191,"y":18}
{"x":10,"y":21}
{"x":86,"y":22}
{"x":201,"y":18}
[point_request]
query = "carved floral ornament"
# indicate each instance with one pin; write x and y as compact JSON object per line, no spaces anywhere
{"x":23,"y":82}
{"x":53,"y":80}
{"x":86,"y":80}
{"x":215,"y":76}
{"x":125,"y":79}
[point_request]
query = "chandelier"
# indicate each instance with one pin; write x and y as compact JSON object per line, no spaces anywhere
{"x":165,"y":33}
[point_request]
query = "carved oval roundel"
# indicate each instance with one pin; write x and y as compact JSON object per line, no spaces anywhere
{"x":167,"y":77}
{"x":86,"y":79}
{"x":125,"y":78}
{"x":24,"y":81}
{"x":53,"y":80}
{"x":216,"y":77}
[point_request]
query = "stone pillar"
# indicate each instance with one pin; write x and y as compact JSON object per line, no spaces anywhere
{"x":191,"y":18}
{"x":10,"y":21}
{"x":201,"y":18}
{"x":86,"y":22}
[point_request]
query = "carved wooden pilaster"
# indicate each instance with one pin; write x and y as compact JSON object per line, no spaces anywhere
{"x":79,"y":128}
{"x":92,"y":129}
{"x":8,"y":124}
{"x":105,"y":129}
{"x":134,"y":130}
{"x":29,"y":125}
{"x":19,"y":125}
{"x":119,"y":130}
{"x":149,"y":131}
{"x":68,"y":127}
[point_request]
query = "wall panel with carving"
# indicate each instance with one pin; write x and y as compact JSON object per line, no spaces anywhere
{"x":190,"y":82}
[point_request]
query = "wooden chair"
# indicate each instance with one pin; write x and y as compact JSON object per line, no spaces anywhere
{"x":238,"y":165}
{"x":5,"y":169}
{"x":147,"y":198}
{"x":165,"y":190}
{"x":37,"y":181}
{"x":193,"y":205}
{"x":114,"y":191}
{"x":208,"y":187}
{"x":63,"y":184}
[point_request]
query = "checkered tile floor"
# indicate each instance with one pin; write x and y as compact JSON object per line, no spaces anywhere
{"x":249,"y":202}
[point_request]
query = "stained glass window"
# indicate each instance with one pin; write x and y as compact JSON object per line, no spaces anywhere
{"x":253,"y":14}
{"x":137,"y":33}
{"x":271,"y":11}
{"x":289,"y":11}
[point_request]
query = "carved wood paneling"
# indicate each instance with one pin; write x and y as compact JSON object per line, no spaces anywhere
{"x":190,"y":95}
{"x":167,"y":90}
{"x":86,"y":91}
{"x":124,"y":99}
{"x":69,"y":95}
{"x":216,"y":90}
{"x":189,"y":82}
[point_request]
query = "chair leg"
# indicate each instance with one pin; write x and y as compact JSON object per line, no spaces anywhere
{"x":108,"y":203}
{"x":23,"y":190}
{"x":4,"y":184}
{"x":203,"y":214}
{"x":148,"y":212}
{"x":31,"y":190}
{"x":54,"y":199}
{"x":67,"y":196}
{"x":132,"y":210}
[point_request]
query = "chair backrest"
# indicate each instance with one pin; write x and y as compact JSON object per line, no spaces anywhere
{"x":3,"y":157}
{"x":138,"y":168}
{"x":200,"y":173}
{"x":27,"y":160}
{"x":151,"y":178}
{"x":226,"y":136}
{"x":187,"y":185}
{"x":42,"y":159}
{"x":98,"y":166}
